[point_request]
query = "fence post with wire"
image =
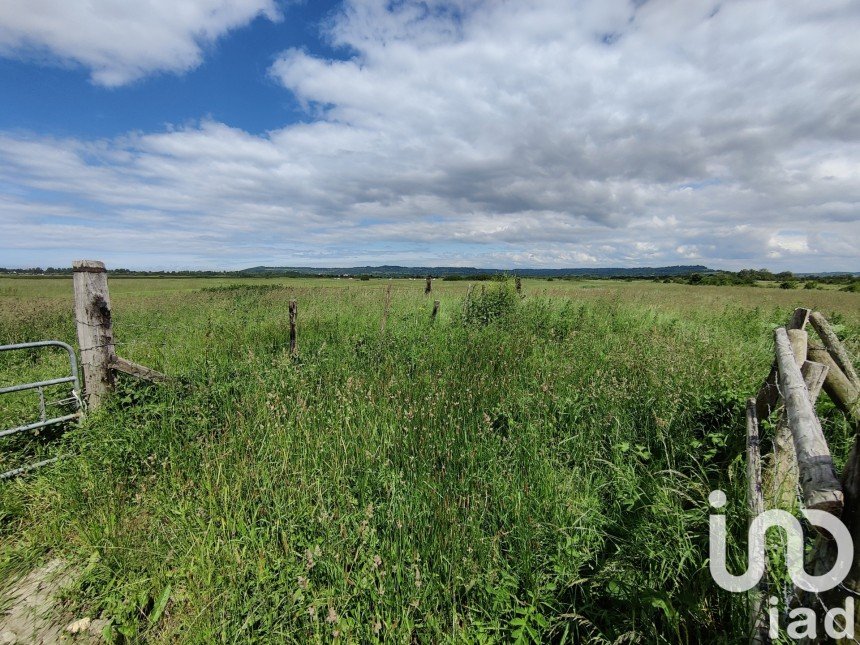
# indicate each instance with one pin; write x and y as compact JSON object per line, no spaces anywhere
{"x":95,"y":334}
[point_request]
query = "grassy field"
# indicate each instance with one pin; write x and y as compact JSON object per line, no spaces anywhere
{"x":535,"y":468}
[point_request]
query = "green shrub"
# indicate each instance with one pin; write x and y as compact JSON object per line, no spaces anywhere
{"x":497,"y":301}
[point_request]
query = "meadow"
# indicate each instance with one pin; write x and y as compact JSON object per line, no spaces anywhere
{"x":530,"y":468}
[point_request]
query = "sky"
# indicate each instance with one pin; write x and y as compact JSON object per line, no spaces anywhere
{"x":223,"y":134}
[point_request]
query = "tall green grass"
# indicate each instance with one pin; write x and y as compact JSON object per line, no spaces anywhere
{"x":524,"y":469}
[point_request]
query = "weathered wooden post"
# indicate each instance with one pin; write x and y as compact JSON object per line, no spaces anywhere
{"x":518,"y":284}
{"x":821,"y":489}
{"x":785,"y":475}
{"x":840,"y":390}
{"x":798,"y":386}
{"x":768,"y":395}
{"x":95,"y":330}
{"x":834,"y":347}
{"x":428,"y":286}
{"x":799,"y":318}
{"x":814,"y":375}
{"x":845,"y":395}
{"x":755,"y":497}
{"x":755,"y":503}
{"x":293,"y":314}
{"x":799,"y":339}
{"x":435,"y":310}
{"x":783,"y":482}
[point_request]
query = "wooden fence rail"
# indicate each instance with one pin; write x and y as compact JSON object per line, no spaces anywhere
{"x":801,"y":458}
{"x":821,"y":489}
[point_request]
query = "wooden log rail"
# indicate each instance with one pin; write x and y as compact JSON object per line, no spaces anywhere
{"x":768,"y":396}
{"x":841,"y":391}
{"x":802,"y":368}
{"x":834,"y":347}
{"x":821,"y":488}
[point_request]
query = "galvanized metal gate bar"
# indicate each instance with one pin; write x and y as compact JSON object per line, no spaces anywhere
{"x":40,"y":385}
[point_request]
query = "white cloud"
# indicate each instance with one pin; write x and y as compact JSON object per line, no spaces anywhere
{"x":787,"y":243}
{"x":122,"y":40}
{"x":599,"y":132}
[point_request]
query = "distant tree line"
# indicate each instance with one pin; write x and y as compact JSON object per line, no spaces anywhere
{"x":59,"y":271}
{"x":751,"y":277}
{"x":744,"y":277}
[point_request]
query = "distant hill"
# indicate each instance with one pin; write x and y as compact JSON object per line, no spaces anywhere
{"x":393,"y":271}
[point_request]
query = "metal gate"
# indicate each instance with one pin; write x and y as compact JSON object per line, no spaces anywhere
{"x":44,"y":421}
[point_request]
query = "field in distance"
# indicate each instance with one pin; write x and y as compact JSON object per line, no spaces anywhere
{"x":529,"y":467}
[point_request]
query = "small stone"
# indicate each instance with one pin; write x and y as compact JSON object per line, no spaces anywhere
{"x":8,"y":638}
{"x":78,"y":626}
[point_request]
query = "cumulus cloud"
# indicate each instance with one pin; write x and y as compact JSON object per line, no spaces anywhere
{"x":121,"y":41}
{"x":602,"y":132}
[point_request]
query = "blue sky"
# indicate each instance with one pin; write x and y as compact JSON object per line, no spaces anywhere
{"x":52,"y":96}
{"x":231,"y":133}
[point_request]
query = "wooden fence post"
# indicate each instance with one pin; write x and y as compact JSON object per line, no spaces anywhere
{"x":435,"y":310}
{"x":518,"y":284}
{"x":821,"y":489}
{"x":845,"y":395}
{"x":784,"y":476}
{"x":814,"y":375}
{"x":95,"y":330}
{"x":756,"y":499}
{"x":835,"y":347}
{"x":293,"y":314}
{"x":428,"y":287}
{"x":783,"y":480}
{"x":768,"y":395}
{"x":824,"y":552}
{"x":840,"y":390}
{"x":799,"y":340}
{"x":799,"y":318}
{"x":755,"y":502}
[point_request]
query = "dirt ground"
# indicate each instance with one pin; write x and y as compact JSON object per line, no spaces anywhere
{"x":30,"y":612}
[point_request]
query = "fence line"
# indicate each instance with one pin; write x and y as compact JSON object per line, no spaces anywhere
{"x":802,"y":458}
